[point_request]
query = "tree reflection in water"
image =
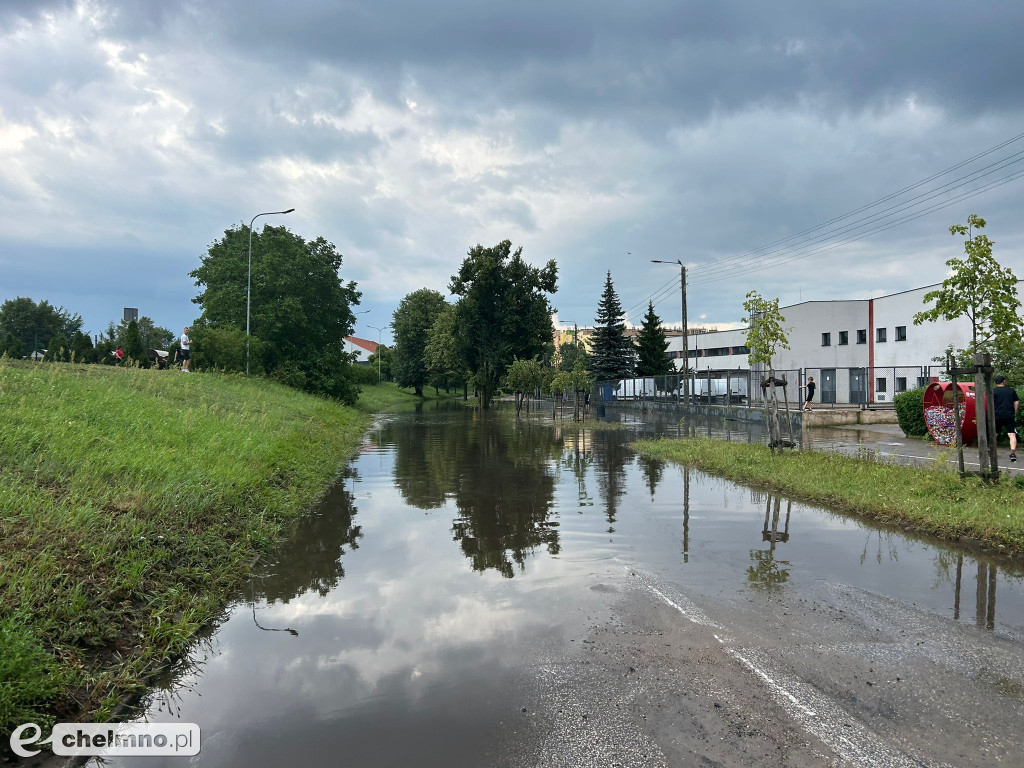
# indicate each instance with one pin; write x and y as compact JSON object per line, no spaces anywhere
{"x":499,"y":473}
{"x":611,"y":454}
{"x":311,"y":560}
{"x":765,"y":571}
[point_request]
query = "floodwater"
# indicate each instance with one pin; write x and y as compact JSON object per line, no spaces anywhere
{"x":469,"y":592}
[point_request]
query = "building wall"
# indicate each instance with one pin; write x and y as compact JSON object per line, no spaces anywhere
{"x":806,"y":322}
{"x":924,"y":341}
{"x":362,"y":354}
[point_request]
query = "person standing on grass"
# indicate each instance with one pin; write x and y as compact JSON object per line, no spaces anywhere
{"x":810,"y":387}
{"x":1006,"y":404}
{"x":183,"y":353}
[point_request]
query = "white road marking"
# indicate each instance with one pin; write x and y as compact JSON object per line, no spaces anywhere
{"x":850,"y":740}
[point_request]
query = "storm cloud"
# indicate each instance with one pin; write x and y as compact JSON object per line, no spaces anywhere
{"x":133,"y":133}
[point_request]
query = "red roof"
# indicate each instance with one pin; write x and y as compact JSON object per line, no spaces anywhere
{"x":369,"y":346}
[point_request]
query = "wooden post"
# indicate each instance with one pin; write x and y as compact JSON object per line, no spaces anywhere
{"x":980,"y":416}
{"x":789,"y":418}
{"x":990,"y":417}
{"x":956,"y":415}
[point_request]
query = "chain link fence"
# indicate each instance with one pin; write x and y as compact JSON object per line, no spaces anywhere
{"x":872,"y":387}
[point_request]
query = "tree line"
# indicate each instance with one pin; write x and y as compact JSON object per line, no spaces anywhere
{"x":42,"y":331}
{"x":498,"y":332}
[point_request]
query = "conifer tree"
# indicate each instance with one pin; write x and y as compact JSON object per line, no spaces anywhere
{"x":651,"y":345}
{"x":612,"y":352}
{"x":134,"y":349}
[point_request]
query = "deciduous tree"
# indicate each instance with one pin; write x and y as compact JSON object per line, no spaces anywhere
{"x":503,"y":312}
{"x":523,"y":377}
{"x":32,"y":324}
{"x":412,"y":322}
{"x":301,"y":309}
{"x":980,"y":289}
{"x":766,"y":336}
{"x":444,"y":353}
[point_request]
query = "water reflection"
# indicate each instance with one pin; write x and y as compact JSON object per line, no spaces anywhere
{"x":312,"y":561}
{"x":765,"y":570}
{"x":984,"y":596}
{"x":652,"y":470}
{"x":497,"y":471}
{"x":611,"y":454}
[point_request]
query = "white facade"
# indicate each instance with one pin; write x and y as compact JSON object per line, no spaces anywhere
{"x":845,"y":343}
{"x":361,"y":348}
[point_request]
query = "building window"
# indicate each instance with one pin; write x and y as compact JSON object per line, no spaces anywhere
{"x":922,"y":382}
{"x":901,"y":383}
{"x":844,"y":338}
{"x":901,"y":333}
{"x":826,"y":339}
{"x":880,"y":335}
{"x":862,"y":336}
{"x":880,"y":384}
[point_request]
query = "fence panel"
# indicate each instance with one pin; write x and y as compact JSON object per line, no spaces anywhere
{"x":874,"y":386}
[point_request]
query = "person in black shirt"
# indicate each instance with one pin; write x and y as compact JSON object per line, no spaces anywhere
{"x":1006,"y":404}
{"x":809,"y":386}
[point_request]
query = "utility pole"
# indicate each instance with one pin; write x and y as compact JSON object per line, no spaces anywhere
{"x":686,"y":342}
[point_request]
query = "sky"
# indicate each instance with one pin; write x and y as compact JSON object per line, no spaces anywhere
{"x":599,"y":134}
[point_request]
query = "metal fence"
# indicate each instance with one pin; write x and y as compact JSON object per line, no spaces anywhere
{"x":872,"y":387}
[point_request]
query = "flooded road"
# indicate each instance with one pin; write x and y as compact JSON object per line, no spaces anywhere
{"x":479,"y":592}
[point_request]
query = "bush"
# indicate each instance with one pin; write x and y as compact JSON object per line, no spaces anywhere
{"x":910,"y":412}
{"x":363,"y":375}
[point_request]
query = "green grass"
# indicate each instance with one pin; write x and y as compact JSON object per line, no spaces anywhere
{"x":380,"y":397}
{"x":133,"y":504}
{"x":931,"y":500}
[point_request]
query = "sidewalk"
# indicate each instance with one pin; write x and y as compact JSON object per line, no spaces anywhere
{"x":888,"y":442}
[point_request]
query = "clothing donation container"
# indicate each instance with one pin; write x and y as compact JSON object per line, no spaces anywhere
{"x":939,"y":414}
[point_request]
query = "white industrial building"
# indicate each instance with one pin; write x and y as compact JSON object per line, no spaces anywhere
{"x":861,"y":350}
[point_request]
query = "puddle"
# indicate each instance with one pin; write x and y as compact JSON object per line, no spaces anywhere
{"x":402,"y":622}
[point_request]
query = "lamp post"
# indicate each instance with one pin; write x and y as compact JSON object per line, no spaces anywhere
{"x":686,"y":344}
{"x":248,"y":283}
{"x":379,"y":332}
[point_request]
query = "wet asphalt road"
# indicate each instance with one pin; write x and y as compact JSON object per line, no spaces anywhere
{"x":479,"y":592}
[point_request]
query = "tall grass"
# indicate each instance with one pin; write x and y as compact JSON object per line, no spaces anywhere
{"x":132,"y":504}
{"x":934,"y":501}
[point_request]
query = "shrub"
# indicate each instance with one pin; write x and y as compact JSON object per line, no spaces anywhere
{"x":363,"y":375}
{"x":910,"y":412}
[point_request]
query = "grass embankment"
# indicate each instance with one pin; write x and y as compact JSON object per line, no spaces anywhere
{"x":132,"y":505}
{"x":380,"y":397}
{"x":932,"y":501}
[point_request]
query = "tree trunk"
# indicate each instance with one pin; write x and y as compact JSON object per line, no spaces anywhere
{"x":465,"y":390}
{"x":419,"y":391}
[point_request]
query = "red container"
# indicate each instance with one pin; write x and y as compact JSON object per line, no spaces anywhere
{"x":939,"y":413}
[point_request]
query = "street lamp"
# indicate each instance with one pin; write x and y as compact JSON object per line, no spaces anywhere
{"x":248,"y":284}
{"x":686,"y":344}
{"x":379,"y":332}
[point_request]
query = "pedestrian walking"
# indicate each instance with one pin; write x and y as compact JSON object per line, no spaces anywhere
{"x":1006,"y":403}
{"x":810,"y":387}
{"x":184,"y":350}
{"x":118,"y":356}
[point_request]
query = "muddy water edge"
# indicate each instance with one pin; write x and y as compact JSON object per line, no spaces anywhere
{"x":480,"y":590}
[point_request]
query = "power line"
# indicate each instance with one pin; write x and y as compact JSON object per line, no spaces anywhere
{"x":938,"y":206}
{"x":874,"y":218}
{"x":879,"y":201}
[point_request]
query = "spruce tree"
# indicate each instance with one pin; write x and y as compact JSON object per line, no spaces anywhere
{"x":651,"y":346}
{"x":612,"y":352}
